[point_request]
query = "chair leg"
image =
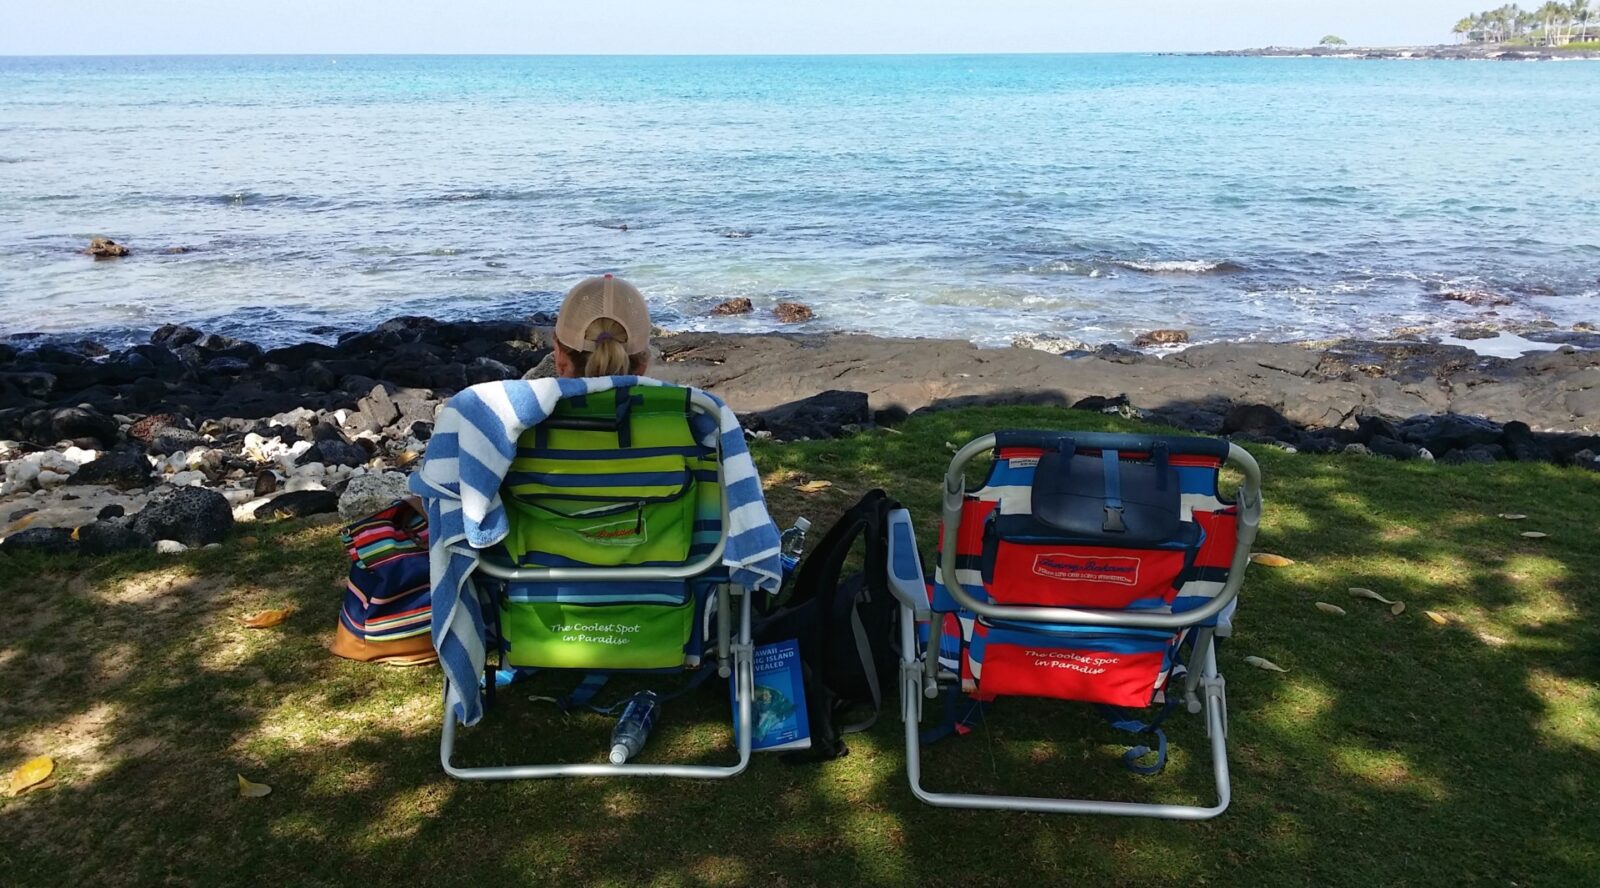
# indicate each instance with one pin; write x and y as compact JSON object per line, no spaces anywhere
{"x":1215,"y":703}
{"x":744,"y":694}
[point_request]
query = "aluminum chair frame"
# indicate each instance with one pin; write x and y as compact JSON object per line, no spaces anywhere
{"x":1204,"y":688}
{"x":734,"y":652}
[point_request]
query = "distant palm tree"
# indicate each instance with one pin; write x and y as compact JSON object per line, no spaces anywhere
{"x":1464,"y":27}
{"x":1580,"y":17}
{"x":1554,"y":15}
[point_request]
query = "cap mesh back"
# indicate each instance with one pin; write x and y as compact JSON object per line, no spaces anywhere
{"x":604,"y":297}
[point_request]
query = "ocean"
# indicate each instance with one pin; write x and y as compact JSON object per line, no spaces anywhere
{"x":975,"y":197}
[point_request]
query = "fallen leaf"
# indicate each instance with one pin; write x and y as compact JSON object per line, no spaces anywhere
{"x":1512,"y":516}
{"x":1327,"y":608}
{"x":248,"y":790}
{"x":266,"y":619}
{"x":1359,"y":592}
{"x":1491,"y":640}
{"x":1437,"y":617}
{"x":31,"y":773}
{"x":1398,"y":609}
{"x":75,"y":532}
{"x":1266,"y":559}
{"x":1264,"y":663}
{"x":816,"y":486}
{"x":1534,"y":535}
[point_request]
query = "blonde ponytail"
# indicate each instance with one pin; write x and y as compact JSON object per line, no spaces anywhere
{"x":610,"y":355}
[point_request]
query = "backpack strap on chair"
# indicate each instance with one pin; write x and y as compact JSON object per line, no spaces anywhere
{"x":961,"y":715}
{"x":1111,"y":463}
{"x":1120,"y":719}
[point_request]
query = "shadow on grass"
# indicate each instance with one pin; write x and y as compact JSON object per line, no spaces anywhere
{"x":1396,"y":750}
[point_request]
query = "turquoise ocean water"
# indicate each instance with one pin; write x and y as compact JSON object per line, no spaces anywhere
{"x":976,"y":197}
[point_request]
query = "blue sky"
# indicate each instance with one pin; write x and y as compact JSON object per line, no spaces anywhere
{"x":33,"y":27}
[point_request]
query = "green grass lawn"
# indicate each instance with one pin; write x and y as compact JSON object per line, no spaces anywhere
{"x":1396,"y":750}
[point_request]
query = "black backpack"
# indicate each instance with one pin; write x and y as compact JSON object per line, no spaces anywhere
{"x":845,"y":628}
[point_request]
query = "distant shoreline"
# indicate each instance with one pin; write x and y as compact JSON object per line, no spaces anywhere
{"x":1444,"y":52}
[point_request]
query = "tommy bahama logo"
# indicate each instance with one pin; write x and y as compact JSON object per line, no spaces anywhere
{"x":1124,"y":571}
{"x":615,"y":533}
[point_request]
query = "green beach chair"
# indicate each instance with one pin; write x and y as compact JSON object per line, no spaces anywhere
{"x":612,"y":562}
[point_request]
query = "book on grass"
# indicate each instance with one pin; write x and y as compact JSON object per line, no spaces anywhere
{"x":778,"y":709}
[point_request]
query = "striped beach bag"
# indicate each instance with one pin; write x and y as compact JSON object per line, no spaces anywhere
{"x":387,"y":613}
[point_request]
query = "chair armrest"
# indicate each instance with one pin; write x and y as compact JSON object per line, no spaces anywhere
{"x":906,"y":581}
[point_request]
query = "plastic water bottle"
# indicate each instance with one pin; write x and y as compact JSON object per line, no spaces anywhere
{"x":633,"y":728}
{"x":792,"y":544}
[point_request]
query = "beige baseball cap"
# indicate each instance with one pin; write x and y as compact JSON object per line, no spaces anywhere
{"x":604,"y":297}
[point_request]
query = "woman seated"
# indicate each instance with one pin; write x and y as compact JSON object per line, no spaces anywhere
{"x":603,"y":330}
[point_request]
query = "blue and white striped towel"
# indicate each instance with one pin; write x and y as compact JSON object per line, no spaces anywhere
{"x":473,"y":443}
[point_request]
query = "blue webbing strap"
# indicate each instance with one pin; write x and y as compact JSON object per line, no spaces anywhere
{"x":958,"y":719}
{"x":696,"y":679}
{"x":1111,"y":461}
{"x":1119,"y":718}
{"x":581,"y":695}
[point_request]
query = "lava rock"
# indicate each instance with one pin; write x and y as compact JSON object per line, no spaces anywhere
{"x":335,"y":453}
{"x":145,"y":430}
{"x":1389,"y":447}
{"x":1051,"y":343}
{"x":193,"y":516}
{"x":83,"y":422}
{"x":793,"y":312}
{"x":111,"y":535}
{"x":375,"y":411}
{"x":1100,"y":403}
{"x":170,"y":440}
{"x":368,"y":494}
{"x":299,"y":504}
{"x":105,"y":248}
{"x":175,"y":336}
{"x":1521,"y":444}
{"x":1161,"y":337}
{"x":485,"y":369}
{"x":1369,"y":427}
{"x":225,"y":367}
{"x":40,"y":539}
{"x":1257,"y":419}
{"x":1478,"y":453}
{"x":266,"y":483}
{"x":109,"y":512}
{"x":822,"y":415}
{"x":1450,"y":431}
{"x":124,"y":469}
{"x":736,"y":306}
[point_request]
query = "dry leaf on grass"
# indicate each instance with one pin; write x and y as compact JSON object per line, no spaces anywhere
{"x":1267,"y":559}
{"x":31,"y":773}
{"x":1398,"y":608}
{"x":1327,"y":608}
{"x":1534,"y":535}
{"x":266,"y":619}
{"x":816,"y":486}
{"x":1264,"y":663}
{"x":1437,"y":617}
{"x":248,"y":790}
{"x":1512,"y":516}
{"x":1359,"y":592}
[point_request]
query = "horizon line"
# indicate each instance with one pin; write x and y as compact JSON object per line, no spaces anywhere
{"x":579,"y":55}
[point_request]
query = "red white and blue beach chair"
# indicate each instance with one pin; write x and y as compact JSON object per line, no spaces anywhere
{"x":1090,"y":566}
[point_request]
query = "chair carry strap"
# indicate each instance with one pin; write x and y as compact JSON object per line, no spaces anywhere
{"x":1111,"y":464}
{"x":1119,"y":718}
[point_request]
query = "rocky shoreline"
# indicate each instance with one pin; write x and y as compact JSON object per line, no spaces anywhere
{"x":1448,"y":52}
{"x":170,"y":443}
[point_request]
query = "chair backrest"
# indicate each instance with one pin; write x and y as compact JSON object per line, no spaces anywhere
{"x":1005,"y":555}
{"x":1076,"y":551}
{"x":612,"y":479}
